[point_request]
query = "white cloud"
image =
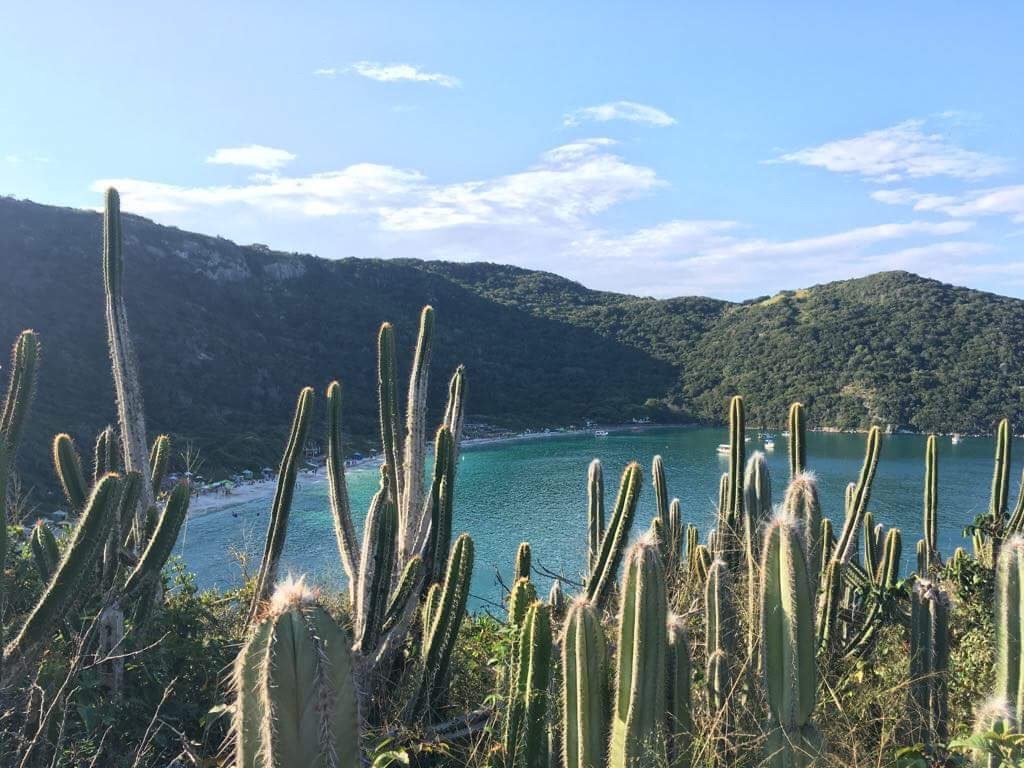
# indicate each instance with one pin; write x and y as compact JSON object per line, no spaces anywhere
{"x":325,"y":72}
{"x":995,"y":201}
{"x":620,"y":110}
{"x":253,"y":156}
{"x":904,"y":150}
{"x":391,"y":73}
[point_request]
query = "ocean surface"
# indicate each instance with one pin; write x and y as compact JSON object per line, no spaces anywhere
{"x":535,"y":490}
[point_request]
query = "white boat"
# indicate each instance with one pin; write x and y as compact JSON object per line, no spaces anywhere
{"x":746,"y":439}
{"x":723,"y":449}
{"x":954,"y":438}
{"x":769,"y":444}
{"x":600,"y":433}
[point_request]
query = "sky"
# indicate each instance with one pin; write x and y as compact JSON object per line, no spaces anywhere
{"x":725,"y":149}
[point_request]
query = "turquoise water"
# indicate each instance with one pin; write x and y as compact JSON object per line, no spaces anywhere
{"x":535,"y":490}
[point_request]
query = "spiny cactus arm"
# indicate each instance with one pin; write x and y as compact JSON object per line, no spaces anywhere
{"x":858,"y":498}
{"x":435,"y":536}
{"x":159,"y":457}
{"x":77,"y":562}
{"x":408,"y":586}
{"x":455,"y":409}
{"x":737,"y":450}
{"x":337,"y":492}
{"x":410,"y":510}
{"x":931,"y":495}
{"x":45,"y":552}
{"x":871,"y":543}
{"x":595,"y":511}
{"x":929,"y":660}
{"x":675,"y":536}
{"x":787,"y":634}
{"x":1016,"y":522}
{"x":377,"y":563}
{"x":5,"y":471}
{"x":826,"y":545}
{"x":802,"y":505}
{"x":558,"y":602}
{"x":68,"y":465}
{"x":892,"y":551}
{"x":20,"y":390}
{"x":282,"y":503}
{"x":828,"y":606}
{"x":613,"y":544}
{"x":104,"y":454}
{"x":660,"y":488}
{"x":161,"y":543}
{"x":387,"y":395}
{"x":120,"y":526}
{"x":130,"y":411}
{"x":1001,"y":473}
{"x":297,"y":677}
{"x":701,"y":565}
{"x":1009,"y":597}
{"x":679,"y":727}
{"x":522,"y":595}
{"x":757,"y":488}
{"x":524,"y":557}
{"x":797,"y":439}
{"x":535,"y":664}
{"x":439,"y":636}
{"x":638,"y":714}
{"x":585,"y":692}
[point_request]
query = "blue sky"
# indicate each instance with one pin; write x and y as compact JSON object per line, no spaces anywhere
{"x":726,"y":149}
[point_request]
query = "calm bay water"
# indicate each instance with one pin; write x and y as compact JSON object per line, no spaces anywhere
{"x":535,"y":490}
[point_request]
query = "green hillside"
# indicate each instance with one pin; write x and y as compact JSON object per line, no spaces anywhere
{"x":227,"y":334}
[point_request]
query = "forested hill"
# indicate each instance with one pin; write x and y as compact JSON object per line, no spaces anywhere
{"x":226,"y":335}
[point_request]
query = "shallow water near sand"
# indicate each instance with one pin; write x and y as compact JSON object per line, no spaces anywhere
{"x":535,"y":490}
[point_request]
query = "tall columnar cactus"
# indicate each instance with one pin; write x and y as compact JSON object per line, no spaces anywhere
{"x":296,"y":701}
{"x":45,"y":551}
{"x":1001,"y":476}
{"x":376,"y":565}
{"x":679,"y":727}
{"x":737,"y":451}
{"x":161,"y":543}
{"x":857,"y":501}
{"x":558,"y":602}
{"x":68,"y":465}
{"x":130,"y":411}
{"x":282,"y":504}
{"x":440,"y":635}
{"x":757,"y":488}
{"x":720,"y":650}
{"x":797,"y":440}
{"x":613,"y":543}
{"x":660,"y":488}
{"x":20,"y":391}
{"x":638,"y":713}
{"x":931,"y":500}
{"x":525,"y":745}
{"x":441,"y":502}
{"x":826,"y":546}
{"x":1009,"y":620}
{"x":337,"y":491}
{"x":524,"y":557}
{"x":76,"y":565}
{"x":803,"y":507}
{"x":788,"y":648}
{"x":829,"y":596}
{"x":159,"y":458}
{"x":584,"y":693}
{"x":888,"y":572}
{"x":410,"y":486}
{"x":872,"y":535}
{"x":595,"y":512}
{"x":929,"y":661}
{"x":104,"y":457}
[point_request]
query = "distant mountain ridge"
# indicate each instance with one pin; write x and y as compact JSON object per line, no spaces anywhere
{"x":227,"y":334}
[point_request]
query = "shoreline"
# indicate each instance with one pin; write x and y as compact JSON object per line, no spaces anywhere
{"x":205,"y":504}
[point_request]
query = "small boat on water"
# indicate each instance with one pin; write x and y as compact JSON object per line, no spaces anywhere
{"x":723,"y":449}
{"x":769,"y":443}
{"x":954,"y":438}
{"x":600,"y":433}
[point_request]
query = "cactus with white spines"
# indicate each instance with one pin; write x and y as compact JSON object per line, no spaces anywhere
{"x":281,"y":506}
{"x":858,"y":496}
{"x":21,"y":388}
{"x":613,"y":543}
{"x":524,"y":557}
{"x":678,"y":703}
{"x":296,"y":700}
{"x":757,"y":489}
{"x":159,"y":458}
{"x":797,"y":439}
{"x":585,"y":705}
{"x":68,"y":465}
{"x":788,"y":648}
{"x":595,"y":511}
{"x":638,"y":710}
{"x":931,"y":501}
{"x":1009,"y":621}
{"x":104,"y":455}
{"x":524,"y":740}
{"x":720,"y":626}
{"x":803,"y":506}
{"x":929,"y":661}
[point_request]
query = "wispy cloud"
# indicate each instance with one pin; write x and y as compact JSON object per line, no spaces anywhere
{"x":325,"y":72}
{"x":905,"y":150}
{"x":995,"y":201}
{"x":252,"y":156}
{"x":395,"y":72}
{"x":620,"y":110}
